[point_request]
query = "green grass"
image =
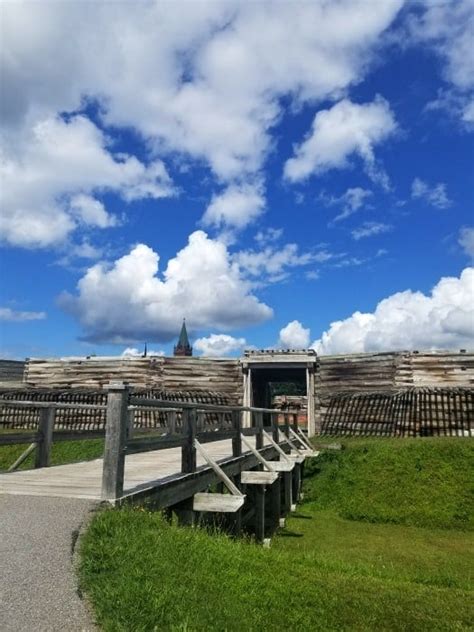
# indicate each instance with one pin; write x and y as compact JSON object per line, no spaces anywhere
{"x":61,"y":453}
{"x":390,"y":565}
{"x":422,"y":482}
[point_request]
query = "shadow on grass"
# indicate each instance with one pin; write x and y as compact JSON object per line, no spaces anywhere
{"x":301,"y":516}
{"x":290,"y":534}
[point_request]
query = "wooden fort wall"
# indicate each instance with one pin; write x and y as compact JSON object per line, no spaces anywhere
{"x":383,"y":392}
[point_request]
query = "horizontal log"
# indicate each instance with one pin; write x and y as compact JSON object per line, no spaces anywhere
{"x":10,"y":439}
{"x":80,"y":435}
{"x":135,"y":446}
{"x":219,"y":435}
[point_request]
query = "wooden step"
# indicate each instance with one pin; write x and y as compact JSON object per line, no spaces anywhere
{"x":221,"y":503}
{"x":282,"y":466}
{"x":297,"y":458}
{"x":258,"y":478}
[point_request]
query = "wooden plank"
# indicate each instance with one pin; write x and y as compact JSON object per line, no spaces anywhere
{"x":220,"y":503}
{"x":281,"y":466}
{"x":258,"y":478}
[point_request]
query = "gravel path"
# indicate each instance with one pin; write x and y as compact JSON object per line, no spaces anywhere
{"x":38,"y":587}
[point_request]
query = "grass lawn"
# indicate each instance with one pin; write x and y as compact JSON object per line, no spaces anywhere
{"x":61,"y":452}
{"x":384,"y":541}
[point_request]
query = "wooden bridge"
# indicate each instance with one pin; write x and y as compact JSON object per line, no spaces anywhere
{"x":200,"y":463}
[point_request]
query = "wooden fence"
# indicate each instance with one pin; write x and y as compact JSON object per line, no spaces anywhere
{"x":91,"y":417}
{"x":414,"y":412}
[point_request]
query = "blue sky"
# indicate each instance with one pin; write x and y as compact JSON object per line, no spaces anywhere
{"x":280,"y":174}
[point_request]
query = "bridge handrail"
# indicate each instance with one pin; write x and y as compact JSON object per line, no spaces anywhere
{"x":164,"y":403}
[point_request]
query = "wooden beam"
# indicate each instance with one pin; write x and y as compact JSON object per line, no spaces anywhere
{"x":22,"y":457}
{"x":219,"y":471}
{"x":115,"y":440}
{"x":45,"y":437}
{"x":258,"y":455}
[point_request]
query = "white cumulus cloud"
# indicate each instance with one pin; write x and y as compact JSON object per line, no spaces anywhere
{"x":337,"y":133}
{"x":219,"y":345}
{"x":130,"y":300}
{"x":208,"y":83}
{"x":409,"y":320}
{"x":294,"y":336}
{"x":236,"y":207}
{"x":449,"y":28}
{"x":50,"y":176}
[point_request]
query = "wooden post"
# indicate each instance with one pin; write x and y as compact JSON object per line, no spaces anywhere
{"x":314,"y":422}
{"x":259,"y":513}
{"x":45,"y":432}
{"x":115,"y":441}
{"x":200,"y":415}
{"x":296,"y":482}
{"x":287,"y":492}
{"x":259,"y":426}
{"x":237,"y":439}
{"x":295,"y":422}
{"x":171,"y":421}
{"x":188,"y":451}
{"x":287,"y":425}
{"x":275,"y":502}
{"x":276,"y":437}
{"x":131,"y":424}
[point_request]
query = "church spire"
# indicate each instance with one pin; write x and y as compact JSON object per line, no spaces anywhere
{"x":183,"y":348}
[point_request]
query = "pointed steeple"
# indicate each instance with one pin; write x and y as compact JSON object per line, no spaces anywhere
{"x":183,"y":348}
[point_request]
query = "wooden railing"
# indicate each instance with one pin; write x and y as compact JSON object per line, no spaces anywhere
{"x":183,"y":427}
{"x":184,"y":424}
{"x":42,"y":440}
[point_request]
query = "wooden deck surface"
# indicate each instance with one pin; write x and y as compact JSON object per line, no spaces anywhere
{"x":84,"y":479}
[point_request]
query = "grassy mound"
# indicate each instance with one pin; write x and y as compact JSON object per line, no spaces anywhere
{"x":323,"y":572}
{"x":422,"y":482}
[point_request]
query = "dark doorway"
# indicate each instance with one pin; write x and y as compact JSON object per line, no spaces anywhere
{"x":277,"y":381}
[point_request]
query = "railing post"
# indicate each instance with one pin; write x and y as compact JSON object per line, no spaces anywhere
{"x":116,"y":427}
{"x":286,"y":417}
{"x":171,"y":421}
{"x":237,"y":438}
{"x":45,"y":431}
{"x":188,"y":451}
{"x":276,"y":436}
{"x":259,"y":427}
{"x":295,"y":421}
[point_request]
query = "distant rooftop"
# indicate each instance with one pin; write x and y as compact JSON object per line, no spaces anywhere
{"x":265,"y":352}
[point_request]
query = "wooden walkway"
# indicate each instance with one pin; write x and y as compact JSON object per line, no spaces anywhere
{"x":83,"y":480}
